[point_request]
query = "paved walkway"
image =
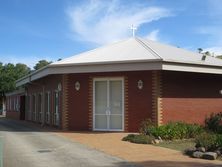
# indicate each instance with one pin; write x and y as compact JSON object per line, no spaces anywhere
{"x":29,"y":146}
{"x":146,"y":155}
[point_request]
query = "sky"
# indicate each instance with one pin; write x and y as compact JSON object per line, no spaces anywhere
{"x":31,"y":30}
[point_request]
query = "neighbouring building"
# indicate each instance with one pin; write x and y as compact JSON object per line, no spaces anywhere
{"x":115,"y":87}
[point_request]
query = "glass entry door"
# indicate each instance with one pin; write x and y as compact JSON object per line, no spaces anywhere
{"x":108,"y":104}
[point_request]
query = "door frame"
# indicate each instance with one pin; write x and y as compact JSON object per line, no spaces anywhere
{"x":107,"y":79}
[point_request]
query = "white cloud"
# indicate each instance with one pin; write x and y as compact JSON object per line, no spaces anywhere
{"x":213,"y":30}
{"x":30,"y":61}
{"x":153,"y":35}
{"x":103,"y":22}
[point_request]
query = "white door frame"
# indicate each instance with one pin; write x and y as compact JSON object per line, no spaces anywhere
{"x":123,"y":102}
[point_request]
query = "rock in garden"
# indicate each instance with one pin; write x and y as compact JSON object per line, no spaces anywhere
{"x":201,"y":149}
{"x":197,"y":154}
{"x":190,"y":151}
{"x":160,"y":139}
{"x":209,"y":155}
{"x":156,"y":141}
{"x":218,"y":152}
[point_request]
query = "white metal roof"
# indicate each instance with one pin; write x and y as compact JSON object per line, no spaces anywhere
{"x":137,"y":49}
{"x":133,"y":54}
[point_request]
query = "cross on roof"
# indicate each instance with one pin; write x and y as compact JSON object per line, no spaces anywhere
{"x":133,"y":30}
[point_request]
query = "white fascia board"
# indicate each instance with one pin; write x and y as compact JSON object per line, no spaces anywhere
{"x":132,"y":66}
{"x":23,"y":81}
{"x":21,"y":91}
{"x":191,"y":68}
{"x":42,"y":73}
{"x":106,"y":68}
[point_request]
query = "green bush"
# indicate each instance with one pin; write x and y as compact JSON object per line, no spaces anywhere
{"x":214,"y":122}
{"x":139,"y":139}
{"x":175,"y":130}
{"x":194,"y":130}
{"x":146,"y":126}
{"x":210,"y":141}
{"x":219,"y":140}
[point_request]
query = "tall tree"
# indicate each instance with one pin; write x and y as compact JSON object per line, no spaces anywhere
{"x":41,"y":63}
{"x":9,"y":73}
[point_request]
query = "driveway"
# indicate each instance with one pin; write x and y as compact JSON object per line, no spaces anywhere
{"x":28,"y":146}
{"x":141,"y":154}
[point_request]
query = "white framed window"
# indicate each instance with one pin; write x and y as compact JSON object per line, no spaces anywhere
{"x":48,"y":106}
{"x":14,"y":103}
{"x":17,"y":103}
{"x":56,"y":108}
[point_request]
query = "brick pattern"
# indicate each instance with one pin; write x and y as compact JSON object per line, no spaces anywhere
{"x":126,"y":105}
{"x":90,"y":102}
{"x":65,"y":102}
{"x":157,"y":114}
{"x":190,"y":97}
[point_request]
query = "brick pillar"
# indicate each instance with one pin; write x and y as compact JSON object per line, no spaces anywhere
{"x":157,"y":97}
{"x":65,"y":125}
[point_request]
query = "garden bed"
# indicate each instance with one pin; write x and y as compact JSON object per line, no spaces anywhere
{"x":192,"y":139}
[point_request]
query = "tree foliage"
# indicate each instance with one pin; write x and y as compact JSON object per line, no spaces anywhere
{"x":220,"y":56}
{"x":9,"y":73}
{"x":41,"y":63}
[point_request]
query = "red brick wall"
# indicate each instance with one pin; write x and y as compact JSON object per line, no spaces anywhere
{"x":51,"y":84}
{"x":139,"y":101}
{"x":190,"y":97}
{"x":13,"y":111}
{"x":78,"y":102}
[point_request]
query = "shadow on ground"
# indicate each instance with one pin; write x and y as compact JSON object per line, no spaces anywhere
{"x":171,"y":164}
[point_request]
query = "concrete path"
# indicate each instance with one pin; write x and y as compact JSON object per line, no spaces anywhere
{"x":27,"y":146}
{"x":141,"y":154}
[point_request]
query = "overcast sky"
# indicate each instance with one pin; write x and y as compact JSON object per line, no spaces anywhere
{"x":31,"y":30}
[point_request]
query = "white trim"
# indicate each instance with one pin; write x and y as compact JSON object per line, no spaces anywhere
{"x":108,"y":79}
{"x":48,"y":112}
{"x":191,"y":68}
{"x":56,"y":112}
{"x":119,"y":67}
{"x":88,"y":68}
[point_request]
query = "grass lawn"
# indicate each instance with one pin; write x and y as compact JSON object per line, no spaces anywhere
{"x":179,"y":145}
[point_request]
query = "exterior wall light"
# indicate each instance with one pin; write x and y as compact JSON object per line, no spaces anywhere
{"x":59,"y":87}
{"x":77,"y":85}
{"x":140,"y":84}
{"x":220,"y":92}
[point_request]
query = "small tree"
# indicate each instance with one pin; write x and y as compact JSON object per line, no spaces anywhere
{"x":41,"y":63}
{"x":9,"y":73}
{"x":200,"y":50}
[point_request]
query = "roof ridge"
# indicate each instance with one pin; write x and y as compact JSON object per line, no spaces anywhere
{"x":148,"y":48}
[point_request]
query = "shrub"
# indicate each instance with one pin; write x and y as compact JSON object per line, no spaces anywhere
{"x":176,"y":130}
{"x":214,"y":122}
{"x":146,"y":127}
{"x":210,"y":141}
{"x":194,"y":130}
{"x":139,"y":139}
{"x":219,"y":140}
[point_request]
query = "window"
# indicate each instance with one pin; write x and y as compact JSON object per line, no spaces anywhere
{"x":48,"y":106}
{"x":33,"y":108}
{"x":27,"y":107}
{"x":56,"y":108}
{"x":10,"y":103}
{"x":17,"y":103}
{"x":14,"y":100}
{"x":39,"y":107}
